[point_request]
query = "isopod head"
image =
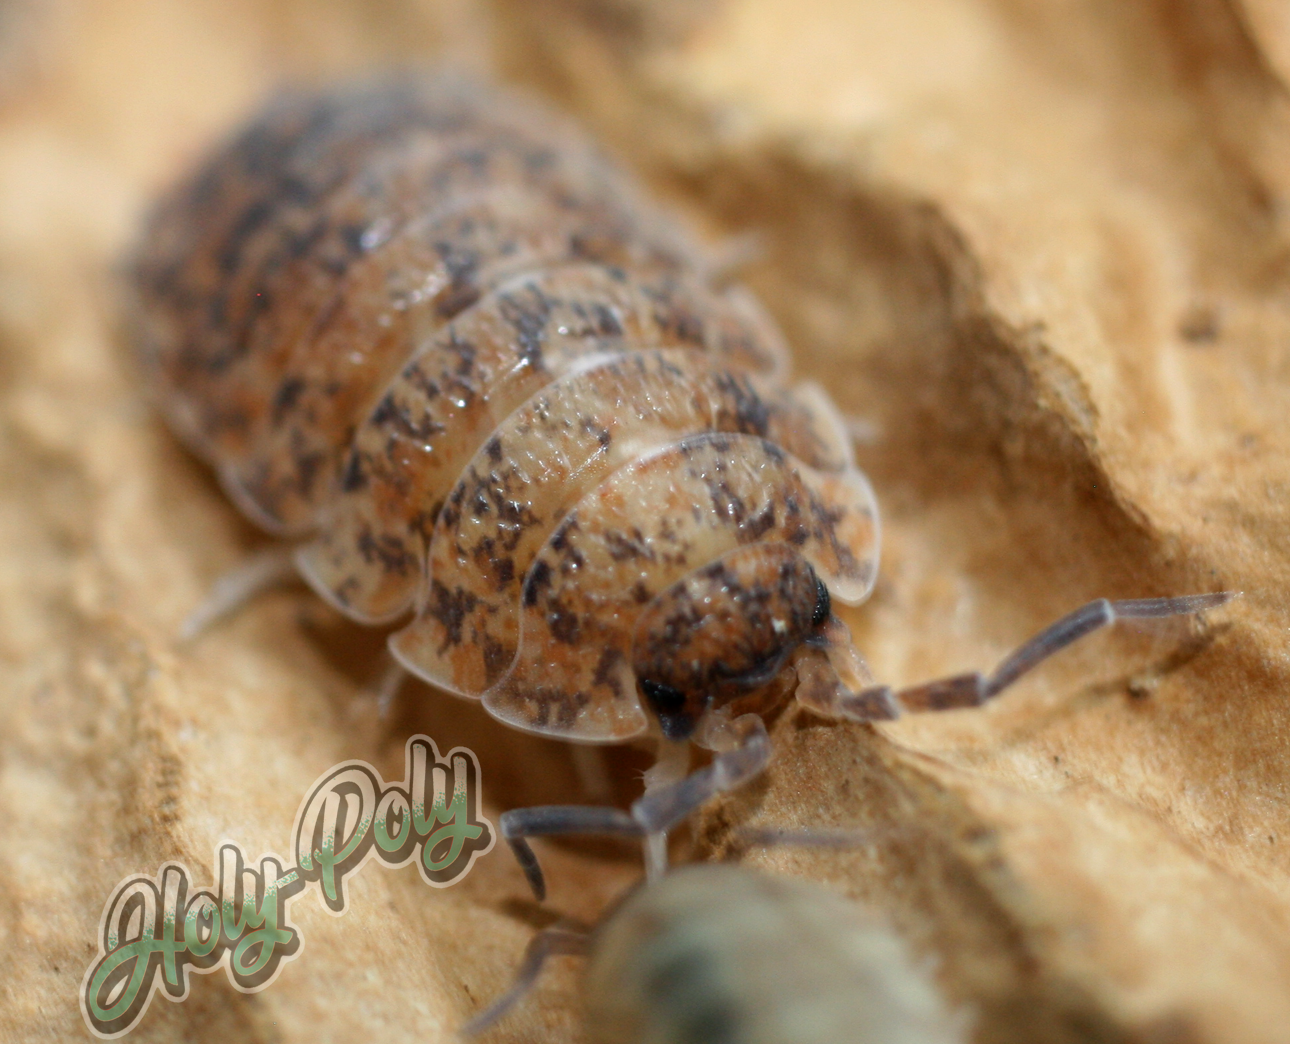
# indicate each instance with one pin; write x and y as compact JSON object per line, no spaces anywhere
{"x":722,"y":637}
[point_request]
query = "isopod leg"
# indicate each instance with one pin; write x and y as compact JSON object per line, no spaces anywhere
{"x":744,"y":750}
{"x":670,"y":768}
{"x":746,"y":753}
{"x":391,"y":681}
{"x":547,"y":943}
{"x":861,"y":430}
{"x":265,"y":569}
{"x":881,"y":702}
{"x":519,"y":824}
{"x":732,"y":255}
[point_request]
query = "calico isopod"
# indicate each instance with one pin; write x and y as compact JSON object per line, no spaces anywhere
{"x":428,"y":334}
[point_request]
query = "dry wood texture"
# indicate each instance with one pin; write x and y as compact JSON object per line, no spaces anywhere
{"x":1042,"y":247}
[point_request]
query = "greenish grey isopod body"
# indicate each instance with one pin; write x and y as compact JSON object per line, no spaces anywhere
{"x":723,"y":955}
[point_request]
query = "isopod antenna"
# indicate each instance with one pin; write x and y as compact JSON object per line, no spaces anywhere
{"x":822,"y":691}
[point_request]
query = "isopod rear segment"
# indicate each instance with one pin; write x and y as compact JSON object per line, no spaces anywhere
{"x":427,"y":332}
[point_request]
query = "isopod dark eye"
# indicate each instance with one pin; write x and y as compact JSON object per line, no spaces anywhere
{"x":663,"y":698}
{"x":669,"y":706}
{"x":823,"y":604}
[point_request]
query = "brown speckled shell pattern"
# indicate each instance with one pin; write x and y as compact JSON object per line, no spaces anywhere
{"x":428,"y":330}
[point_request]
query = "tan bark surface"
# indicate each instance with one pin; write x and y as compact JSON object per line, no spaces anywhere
{"x":1042,"y":247}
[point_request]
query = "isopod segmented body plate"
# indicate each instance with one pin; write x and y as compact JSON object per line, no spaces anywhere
{"x":428,"y":331}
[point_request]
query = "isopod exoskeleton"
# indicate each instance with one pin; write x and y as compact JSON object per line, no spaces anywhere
{"x":426,"y":330}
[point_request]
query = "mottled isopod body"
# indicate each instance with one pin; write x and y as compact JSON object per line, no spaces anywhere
{"x":426,"y":331}
{"x":429,"y":332}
